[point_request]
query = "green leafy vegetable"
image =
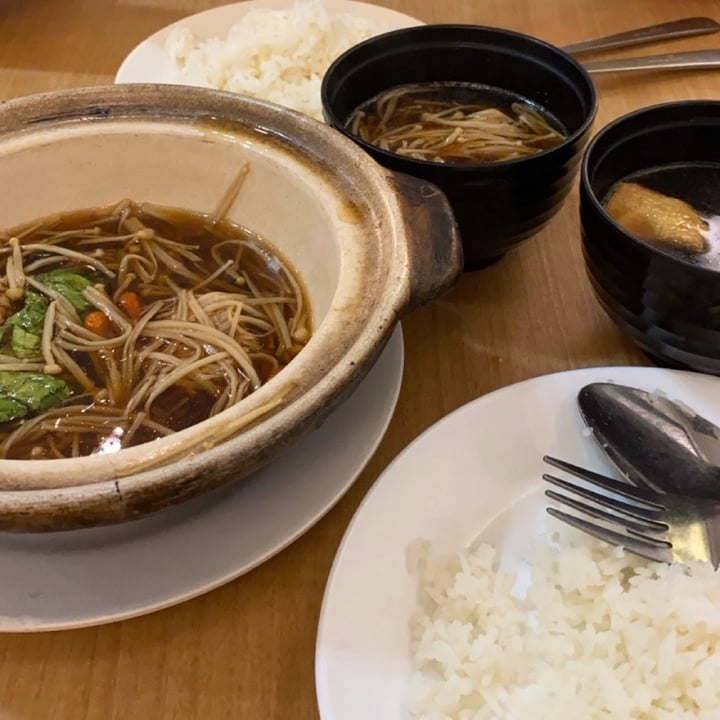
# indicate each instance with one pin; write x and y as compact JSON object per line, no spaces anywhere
{"x":25,"y":393}
{"x":27,"y":325}
{"x":25,"y":344}
{"x":11,"y":409}
{"x":70,"y":284}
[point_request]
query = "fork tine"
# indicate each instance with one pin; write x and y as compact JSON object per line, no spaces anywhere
{"x":629,"y":523}
{"x":616,"y":502}
{"x":622,"y":488}
{"x":636,"y":545}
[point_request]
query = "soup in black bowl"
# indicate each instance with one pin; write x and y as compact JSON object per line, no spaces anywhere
{"x":503,"y":83}
{"x":455,"y":123}
{"x":650,"y":216}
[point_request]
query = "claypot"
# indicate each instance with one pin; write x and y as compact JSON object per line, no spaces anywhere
{"x":368,"y":244}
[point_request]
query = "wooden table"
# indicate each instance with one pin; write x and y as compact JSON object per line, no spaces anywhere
{"x":246,"y":650}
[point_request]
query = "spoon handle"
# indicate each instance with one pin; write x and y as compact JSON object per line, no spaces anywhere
{"x":697,"y":59}
{"x":664,"y":31}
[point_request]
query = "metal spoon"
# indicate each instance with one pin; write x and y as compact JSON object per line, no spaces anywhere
{"x":653,"y":441}
{"x":664,"y":31}
{"x":697,"y":59}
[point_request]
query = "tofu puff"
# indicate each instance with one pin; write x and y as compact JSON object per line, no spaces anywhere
{"x":657,"y":218}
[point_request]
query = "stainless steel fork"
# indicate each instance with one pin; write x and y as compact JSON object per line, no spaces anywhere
{"x":665,"y":527}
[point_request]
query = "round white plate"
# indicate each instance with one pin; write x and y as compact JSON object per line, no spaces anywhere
{"x":148,"y":62}
{"x":474,"y":474}
{"x":88,"y":577}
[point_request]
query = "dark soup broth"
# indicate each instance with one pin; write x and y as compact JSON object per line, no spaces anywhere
{"x":675,"y":207}
{"x":123,"y":324}
{"x":453,"y":122}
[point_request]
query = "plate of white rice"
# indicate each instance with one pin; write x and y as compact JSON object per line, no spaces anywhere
{"x":275,"y":50}
{"x":453,"y":597}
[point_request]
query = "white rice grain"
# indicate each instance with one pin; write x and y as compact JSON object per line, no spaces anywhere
{"x":598,"y":635}
{"x":275,"y":55}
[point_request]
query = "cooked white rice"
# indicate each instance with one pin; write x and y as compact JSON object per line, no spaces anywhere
{"x":276,"y":55}
{"x":599,"y":634}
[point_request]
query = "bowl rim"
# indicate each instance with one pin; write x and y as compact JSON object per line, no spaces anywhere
{"x":463,"y":168}
{"x":586,"y":188}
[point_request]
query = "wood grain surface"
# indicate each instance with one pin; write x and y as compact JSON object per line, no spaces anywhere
{"x":246,"y":650}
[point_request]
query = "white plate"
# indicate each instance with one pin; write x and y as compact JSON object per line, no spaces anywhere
{"x":148,"y":62}
{"x":88,"y":577}
{"x":476,"y":473}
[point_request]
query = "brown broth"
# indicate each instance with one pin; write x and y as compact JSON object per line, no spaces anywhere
{"x":187,"y":249}
{"x":453,"y":122}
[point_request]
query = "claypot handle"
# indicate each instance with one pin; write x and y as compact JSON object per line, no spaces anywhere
{"x":436,"y":257}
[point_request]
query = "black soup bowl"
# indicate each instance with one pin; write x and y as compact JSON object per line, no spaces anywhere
{"x":667,"y":303}
{"x":497,"y":205}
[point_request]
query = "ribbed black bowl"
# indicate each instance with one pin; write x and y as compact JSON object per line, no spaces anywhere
{"x":668,"y":305}
{"x":497,"y":205}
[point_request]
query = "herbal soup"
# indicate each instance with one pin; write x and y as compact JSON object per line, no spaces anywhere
{"x":454,"y":122}
{"x":123,"y":324}
{"x":674,"y":207}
